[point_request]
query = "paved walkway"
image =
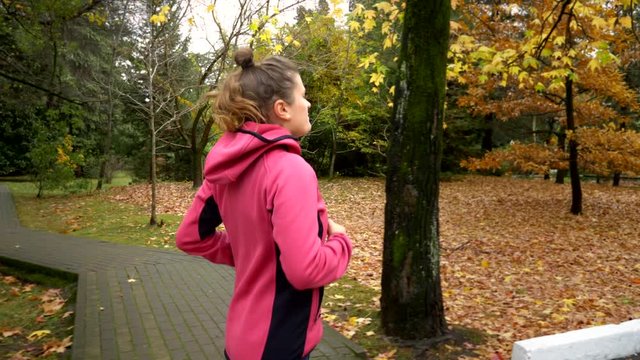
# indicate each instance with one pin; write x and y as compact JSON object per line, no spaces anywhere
{"x":140,"y":303}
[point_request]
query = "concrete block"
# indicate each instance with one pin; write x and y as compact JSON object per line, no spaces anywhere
{"x":595,"y":343}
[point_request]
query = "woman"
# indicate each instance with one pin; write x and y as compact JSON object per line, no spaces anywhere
{"x":277,"y":233}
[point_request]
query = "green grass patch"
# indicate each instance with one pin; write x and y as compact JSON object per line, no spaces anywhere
{"x":25,"y":328}
{"x":92,"y":216}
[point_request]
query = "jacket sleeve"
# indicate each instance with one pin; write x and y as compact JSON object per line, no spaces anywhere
{"x":307,"y":261}
{"x":197,"y":234}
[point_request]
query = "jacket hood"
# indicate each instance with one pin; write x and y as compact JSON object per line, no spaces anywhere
{"x":236,"y":151}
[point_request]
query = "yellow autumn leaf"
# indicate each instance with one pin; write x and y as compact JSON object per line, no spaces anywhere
{"x":625,"y":21}
{"x":384,"y":6}
{"x":38,"y":334}
{"x":369,"y":24}
{"x":353,"y":321}
{"x":388,"y":42}
{"x":569,"y":302}
{"x":599,"y":22}
{"x":484,"y":263}
{"x":593,"y":65}
{"x":376,"y":78}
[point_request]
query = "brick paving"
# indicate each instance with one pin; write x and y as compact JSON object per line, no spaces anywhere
{"x":140,"y":303}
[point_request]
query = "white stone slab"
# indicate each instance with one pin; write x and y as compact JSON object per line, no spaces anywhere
{"x":595,"y":343}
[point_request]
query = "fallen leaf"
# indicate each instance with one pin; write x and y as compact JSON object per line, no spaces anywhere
{"x":56,"y":346}
{"x":19,"y":356}
{"x":9,"y":280}
{"x":52,"y":307}
{"x":11,"y":332}
{"x":38,"y":334}
{"x":50,"y":295}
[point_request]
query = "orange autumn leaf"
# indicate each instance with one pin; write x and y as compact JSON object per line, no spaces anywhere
{"x":9,"y":280}
{"x":11,"y":332}
{"x":57,"y":346}
{"x":52,"y":307}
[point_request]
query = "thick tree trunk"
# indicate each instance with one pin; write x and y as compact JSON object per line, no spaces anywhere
{"x":616,"y":178}
{"x":576,"y":189}
{"x":106,"y":150}
{"x":411,"y":301}
{"x":487,"y":135}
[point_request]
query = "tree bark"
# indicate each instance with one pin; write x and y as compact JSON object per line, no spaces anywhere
{"x":334,"y":151}
{"x":616,"y":178}
{"x":576,"y":189}
{"x":411,"y":301}
{"x":562,"y":140}
{"x":487,"y":134}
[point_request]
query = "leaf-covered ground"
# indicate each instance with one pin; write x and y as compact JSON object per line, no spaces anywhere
{"x":36,"y":321}
{"x":515,"y":263}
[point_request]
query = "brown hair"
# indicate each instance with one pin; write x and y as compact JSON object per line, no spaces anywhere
{"x":248,"y":93}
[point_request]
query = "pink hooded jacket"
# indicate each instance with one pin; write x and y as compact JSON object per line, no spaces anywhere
{"x":275,"y":236}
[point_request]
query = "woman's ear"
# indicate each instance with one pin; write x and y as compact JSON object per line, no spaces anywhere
{"x":281,"y":110}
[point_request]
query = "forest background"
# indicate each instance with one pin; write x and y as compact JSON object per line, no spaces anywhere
{"x":92,"y":87}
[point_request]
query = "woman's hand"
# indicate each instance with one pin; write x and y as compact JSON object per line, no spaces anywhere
{"x":335,"y":228}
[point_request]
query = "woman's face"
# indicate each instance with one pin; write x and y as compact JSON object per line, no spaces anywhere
{"x":298,"y":123}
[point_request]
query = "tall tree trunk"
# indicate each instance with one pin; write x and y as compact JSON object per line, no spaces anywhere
{"x":152,"y":130}
{"x":106,"y":150}
{"x":576,"y":189}
{"x":334,"y":151}
{"x":196,"y":165}
{"x":487,"y":135}
{"x":562,"y":141}
{"x":411,"y":301}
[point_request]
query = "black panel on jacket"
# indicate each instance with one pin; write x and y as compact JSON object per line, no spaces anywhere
{"x":209,"y":218}
{"x":289,"y":319}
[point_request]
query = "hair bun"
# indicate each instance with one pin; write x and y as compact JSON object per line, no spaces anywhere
{"x":244,"y":57}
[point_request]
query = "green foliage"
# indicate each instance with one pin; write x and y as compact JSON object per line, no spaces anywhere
{"x":53,"y":159}
{"x":349,"y":120}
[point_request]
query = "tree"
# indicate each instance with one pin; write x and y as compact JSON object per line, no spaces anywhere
{"x":547,"y":57}
{"x":157,"y":59}
{"x":411,"y":301}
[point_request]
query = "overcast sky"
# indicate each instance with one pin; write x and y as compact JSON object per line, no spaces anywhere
{"x":226,"y":11}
